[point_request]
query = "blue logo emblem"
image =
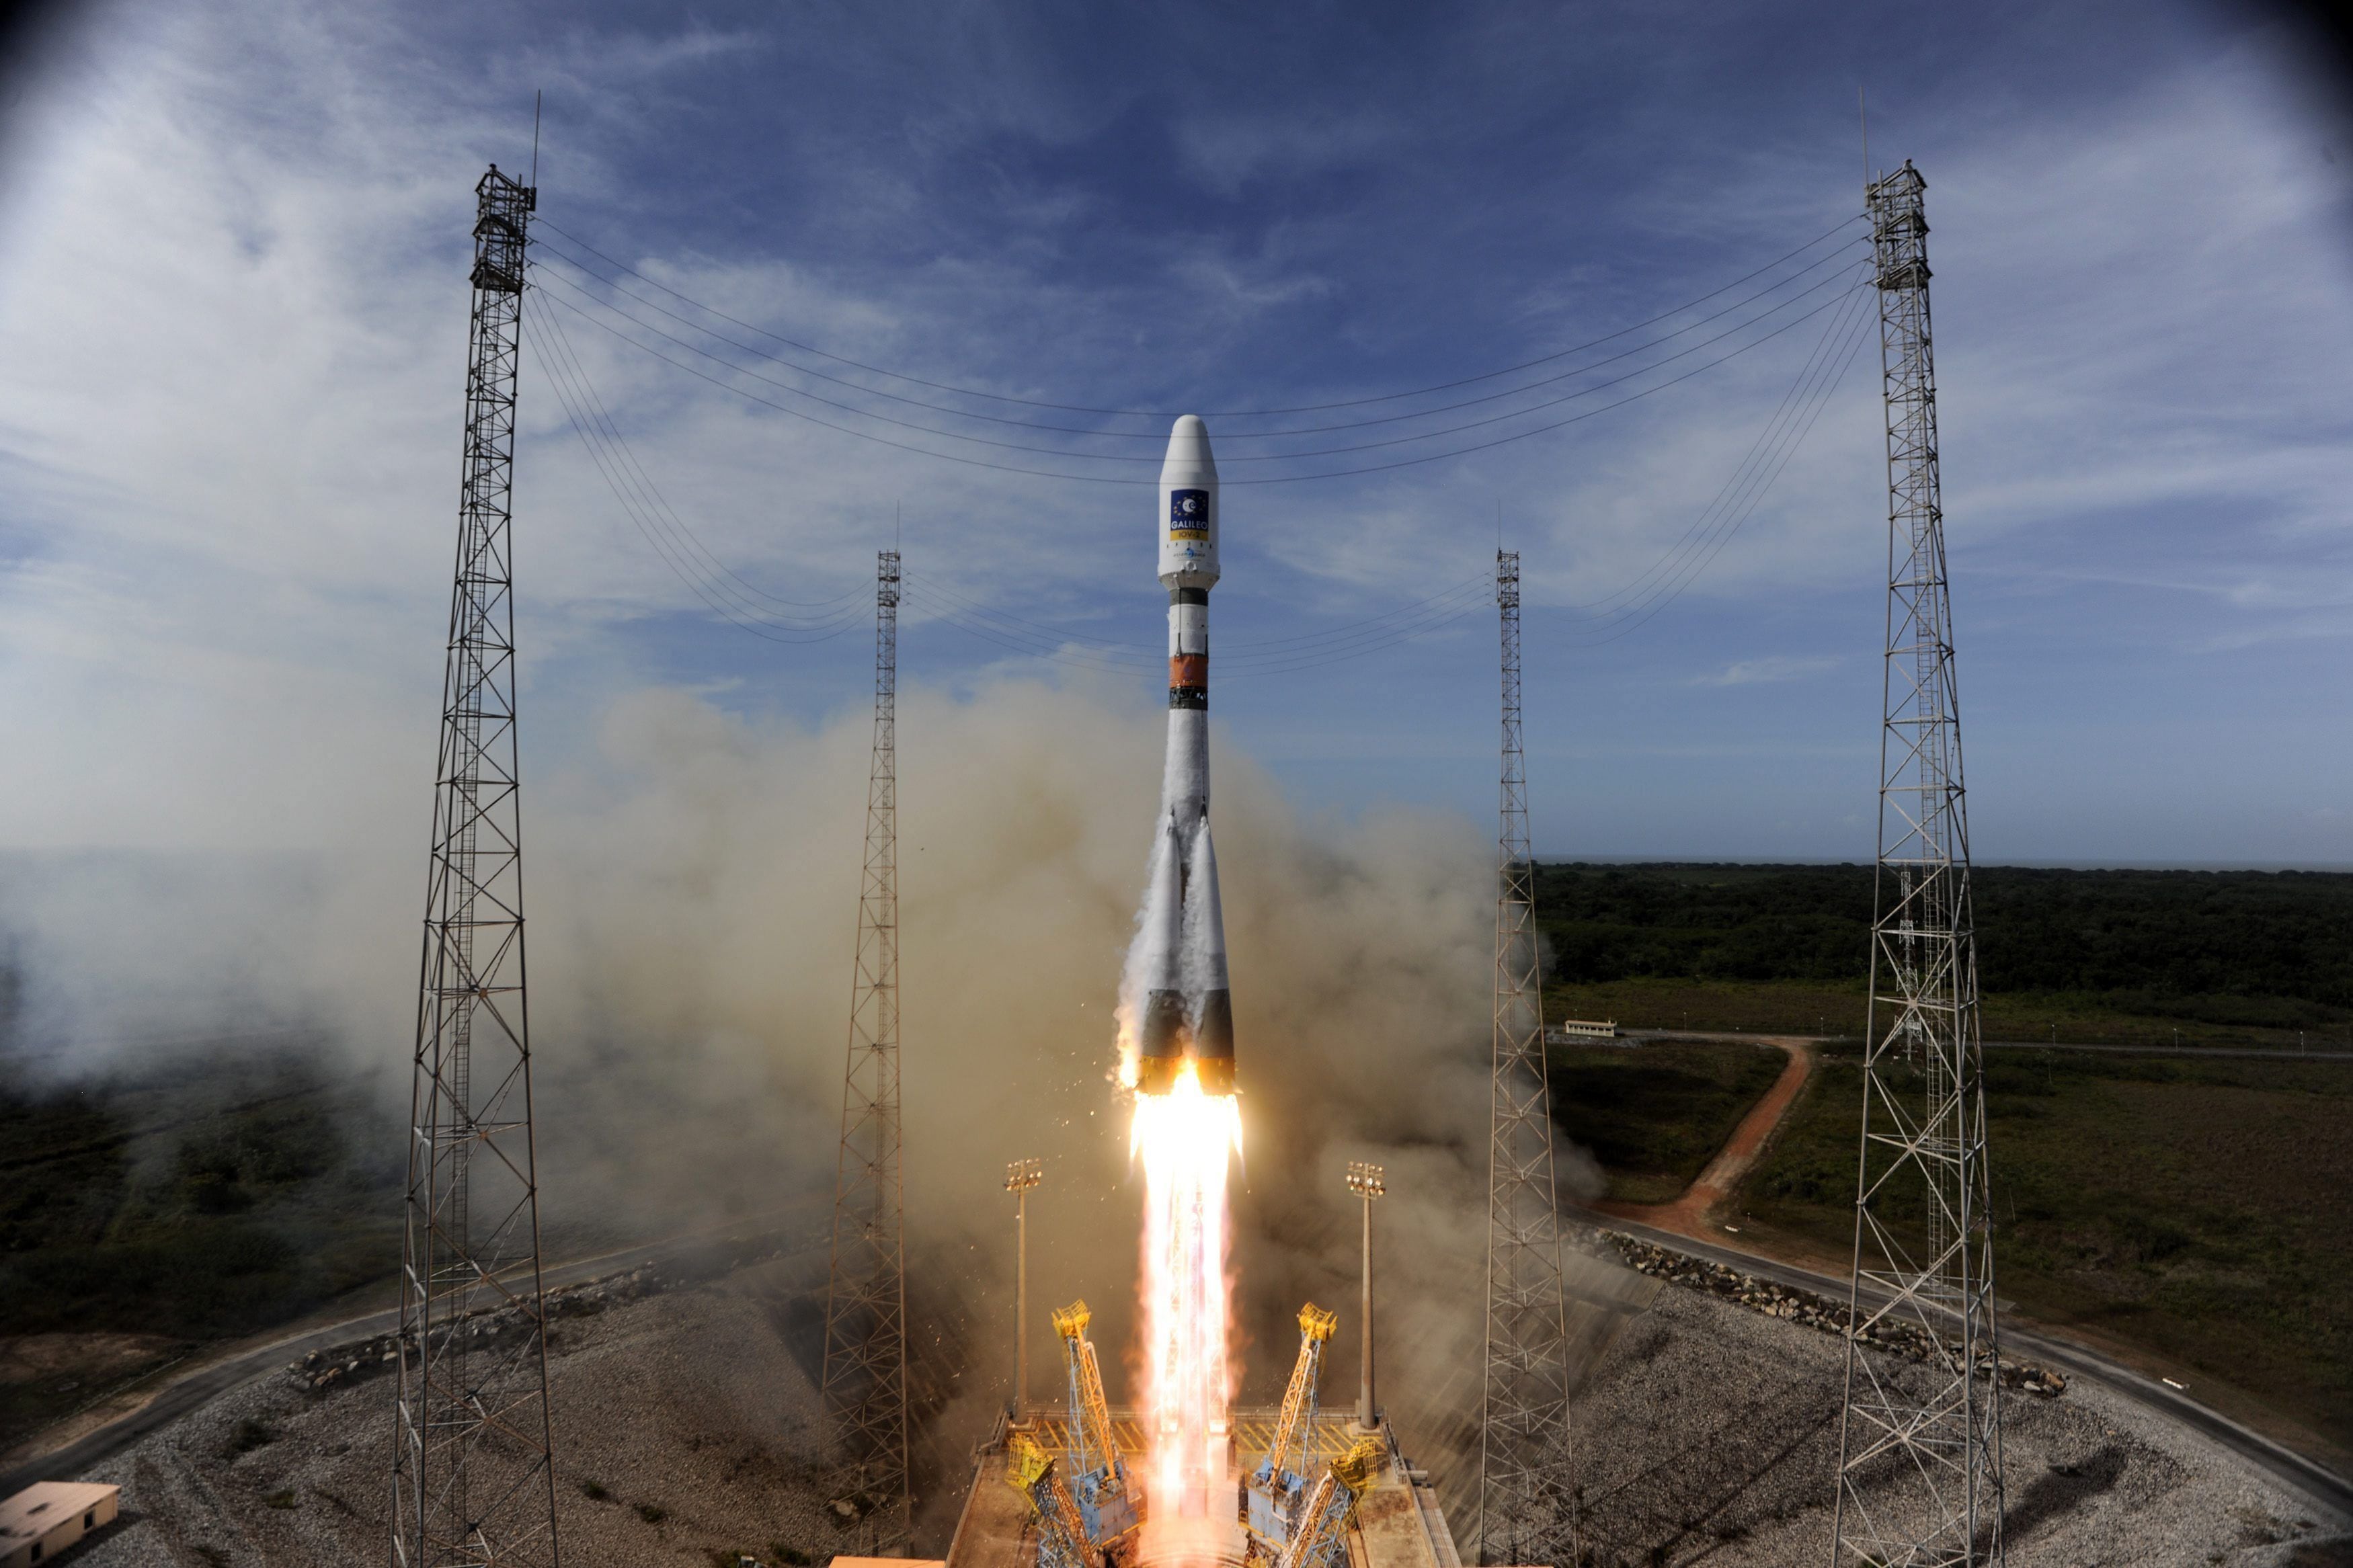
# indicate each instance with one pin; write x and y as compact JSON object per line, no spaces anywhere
{"x":1188,"y":508}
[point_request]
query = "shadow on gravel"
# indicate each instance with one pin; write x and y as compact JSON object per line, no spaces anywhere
{"x":2062,"y":1488}
{"x":1704,"y":1494}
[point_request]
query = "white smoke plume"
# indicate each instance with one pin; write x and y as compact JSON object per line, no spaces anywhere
{"x":692,"y":901}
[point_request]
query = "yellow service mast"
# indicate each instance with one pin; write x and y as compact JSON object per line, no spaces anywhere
{"x":1108,"y":1500}
{"x":1061,"y":1532}
{"x":1271,"y":1508}
{"x":1322,"y":1538}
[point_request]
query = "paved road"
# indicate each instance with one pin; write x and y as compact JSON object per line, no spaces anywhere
{"x":1763,"y":1038}
{"x":206,"y":1383}
{"x":2315,"y":1481}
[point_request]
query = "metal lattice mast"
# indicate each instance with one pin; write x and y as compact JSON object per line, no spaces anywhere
{"x":866,"y":1304}
{"x":472,"y":1478}
{"x":1525,"y":1514}
{"x":1920,"y":1446}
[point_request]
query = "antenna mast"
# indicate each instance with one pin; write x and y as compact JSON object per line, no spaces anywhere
{"x":865,"y":1391}
{"x":1524,"y":1503}
{"x":473,"y":1480}
{"x":1920,"y":1448}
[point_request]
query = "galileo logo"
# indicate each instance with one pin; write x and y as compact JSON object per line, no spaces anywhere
{"x":1188,"y":512}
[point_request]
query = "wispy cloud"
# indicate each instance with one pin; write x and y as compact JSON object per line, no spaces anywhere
{"x":232,"y":328}
{"x":1771,"y":667}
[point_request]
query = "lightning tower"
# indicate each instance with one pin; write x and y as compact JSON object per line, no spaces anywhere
{"x":1920,"y":1446}
{"x":1524,"y":1500}
{"x":473,"y":1481}
{"x":865,"y":1391}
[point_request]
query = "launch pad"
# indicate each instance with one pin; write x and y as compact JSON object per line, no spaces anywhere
{"x":1396,"y":1523}
{"x":1282,"y":1487}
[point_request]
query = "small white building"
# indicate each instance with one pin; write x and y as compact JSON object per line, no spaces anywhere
{"x":47,"y":1517}
{"x":1569,"y":1029}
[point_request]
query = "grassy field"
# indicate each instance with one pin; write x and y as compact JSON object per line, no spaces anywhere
{"x":1655,"y":1115}
{"x":201,"y":1203}
{"x":2192,"y":1207}
{"x":2189,"y":1207}
{"x":1803,"y":1007}
{"x":2120,"y":957}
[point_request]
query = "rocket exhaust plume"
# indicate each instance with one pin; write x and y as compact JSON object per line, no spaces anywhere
{"x":1176,"y":1040}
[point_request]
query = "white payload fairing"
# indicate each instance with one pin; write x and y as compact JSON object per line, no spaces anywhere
{"x":1187,"y":1006}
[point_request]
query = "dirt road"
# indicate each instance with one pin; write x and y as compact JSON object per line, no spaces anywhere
{"x":1688,"y":1214}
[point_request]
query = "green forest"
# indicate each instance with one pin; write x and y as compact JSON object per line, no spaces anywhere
{"x":2267,"y":948}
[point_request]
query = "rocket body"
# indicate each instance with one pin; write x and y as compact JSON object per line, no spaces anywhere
{"x":1188,"y":1014}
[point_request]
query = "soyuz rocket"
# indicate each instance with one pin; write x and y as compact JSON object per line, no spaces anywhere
{"x":1187,"y":1006}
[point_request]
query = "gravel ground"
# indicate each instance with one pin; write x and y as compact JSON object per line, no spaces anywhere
{"x":684,"y":1406}
{"x":1705,"y":1436}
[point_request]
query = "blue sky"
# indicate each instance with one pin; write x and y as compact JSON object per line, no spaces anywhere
{"x":232,"y":318}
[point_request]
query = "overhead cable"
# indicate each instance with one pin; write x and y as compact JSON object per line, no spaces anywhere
{"x":1154,"y":458}
{"x":1281,"y":479}
{"x":544,"y":222}
{"x":1226,"y":435}
{"x":727,"y":596}
{"x":1826,"y":381}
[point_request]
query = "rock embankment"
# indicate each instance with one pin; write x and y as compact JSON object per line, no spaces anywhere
{"x":1907,"y":1340}
{"x":486,"y":1329}
{"x":367,"y":1358}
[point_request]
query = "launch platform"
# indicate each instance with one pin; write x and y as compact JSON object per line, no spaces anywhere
{"x":1396,"y":1523}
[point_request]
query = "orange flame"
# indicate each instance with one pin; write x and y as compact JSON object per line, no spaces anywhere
{"x":1184,"y":1139}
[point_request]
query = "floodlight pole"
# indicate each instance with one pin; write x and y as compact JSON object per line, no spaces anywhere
{"x":1020,"y":1176}
{"x":1364,"y":1181}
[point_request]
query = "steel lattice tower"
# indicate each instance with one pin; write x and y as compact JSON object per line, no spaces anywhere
{"x":1920,"y":1446}
{"x":1524,"y":1513}
{"x":866,"y":1304}
{"x":472,"y":1478}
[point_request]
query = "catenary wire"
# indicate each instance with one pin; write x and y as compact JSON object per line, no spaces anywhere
{"x":1676,"y":575}
{"x":1788,"y":451}
{"x":1799,"y":390}
{"x":1227,"y":649}
{"x":676,"y":544}
{"x":1225,"y":435}
{"x":546,"y":223}
{"x":1113,"y":479}
{"x":1228,"y":663}
{"x":828,"y":609}
{"x":584,"y":426}
{"x":746,"y":618}
{"x":678,"y":547}
{"x":1390,"y":627}
{"x":1733,"y":503}
{"x":1228,"y":668}
{"x":1231,"y":459}
{"x":1541,"y":429}
{"x":1767,"y":457}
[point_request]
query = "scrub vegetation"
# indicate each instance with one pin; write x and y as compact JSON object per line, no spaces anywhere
{"x":1654,"y":1115}
{"x":2189,"y":1206}
{"x":2250,"y":958}
{"x":2181,"y":1204}
{"x":199,"y":1203}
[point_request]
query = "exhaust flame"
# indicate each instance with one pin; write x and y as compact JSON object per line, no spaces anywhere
{"x":1184,"y":1139}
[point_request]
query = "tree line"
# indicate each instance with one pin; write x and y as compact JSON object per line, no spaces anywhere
{"x":2286,"y":934}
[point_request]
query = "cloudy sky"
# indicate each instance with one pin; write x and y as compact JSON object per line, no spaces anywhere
{"x":233,"y":253}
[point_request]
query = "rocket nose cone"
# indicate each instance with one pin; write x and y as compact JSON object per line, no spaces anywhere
{"x":1189,"y":448}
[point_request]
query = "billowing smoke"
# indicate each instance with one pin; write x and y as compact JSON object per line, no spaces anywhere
{"x":692,"y":904}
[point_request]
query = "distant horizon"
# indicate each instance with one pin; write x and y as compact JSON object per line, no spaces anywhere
{"x":2337,"y":868}
{"x":1573,"y":282}
{"x":302,"y":854}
